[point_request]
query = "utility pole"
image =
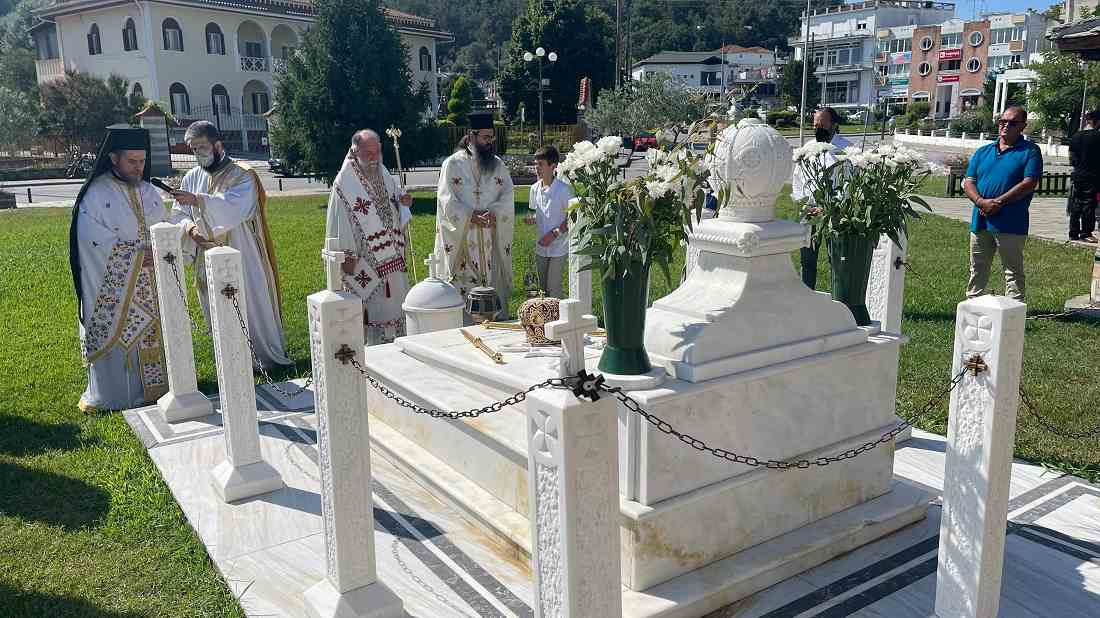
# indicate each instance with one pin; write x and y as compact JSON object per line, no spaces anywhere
{"x":807,"y":48}
{"x":618,"y":41}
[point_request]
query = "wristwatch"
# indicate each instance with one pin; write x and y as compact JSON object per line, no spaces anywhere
{"x":557,"y":232}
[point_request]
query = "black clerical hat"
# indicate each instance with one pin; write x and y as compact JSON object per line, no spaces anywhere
{"x":481,"y":120}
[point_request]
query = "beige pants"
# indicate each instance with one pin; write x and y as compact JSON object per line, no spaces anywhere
{"x":550,"y":273}
{"x":983,"y":245}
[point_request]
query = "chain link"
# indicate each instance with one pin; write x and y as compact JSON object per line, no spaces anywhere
{"x":802,"y":464}
{"x":496,"y":406}
{"x":298,"y":390}
{"x":1051,"y":427}
{"x":1064,"y":314}
{"x":423,"y":584}
{"x":172,"y":261}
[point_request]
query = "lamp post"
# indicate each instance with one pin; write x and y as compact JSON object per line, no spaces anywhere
{"x":539,"y":54}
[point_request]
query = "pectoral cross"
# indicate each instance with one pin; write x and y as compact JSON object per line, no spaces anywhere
{"x":334,"y":262}
{"x":570,"y":329}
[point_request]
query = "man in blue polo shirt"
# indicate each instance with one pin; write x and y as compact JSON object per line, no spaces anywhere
{"x":1000,"y":180}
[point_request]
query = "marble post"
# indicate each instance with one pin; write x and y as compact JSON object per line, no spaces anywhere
{"x":580,"y":282}
{"x":981,"y":433}
{"x":244,"y":473}
{"x":334,"y":260}
{"x":351,"y":587}
{"x":886,"y":287}
{"x":1094,"y":290}
{"x":570,"y":329}
{"x":572,"y":471}
{"x":183,"y":401}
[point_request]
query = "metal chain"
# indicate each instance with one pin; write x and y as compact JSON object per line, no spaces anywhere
{"x":1051,"y":427}
{"x":774,"y":464}
{"x":423,"y":584}
{"x":1064,"y":314}
{"x":172,"y":261}
{"x":232,"y":294}
{"x":450,"y":415}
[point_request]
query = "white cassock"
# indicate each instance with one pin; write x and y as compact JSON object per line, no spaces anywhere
{"x":120,"y":331}
{"x":231,"y":211}
{"x":475,"y":256}
{"x":367,"y":219}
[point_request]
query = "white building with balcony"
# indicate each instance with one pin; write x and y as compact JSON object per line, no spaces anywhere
{"x":731,"y":71}
{"x":841,"y":42}
{"x":207,"y":59}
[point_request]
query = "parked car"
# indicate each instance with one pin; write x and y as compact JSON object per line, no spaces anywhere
{"x":279,"y":167}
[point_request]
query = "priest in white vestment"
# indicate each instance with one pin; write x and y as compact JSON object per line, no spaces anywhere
{"x":475,"y":215}
{"x":112,"y":264}
{"x":367,"y":214}
{"x":222,"y":202}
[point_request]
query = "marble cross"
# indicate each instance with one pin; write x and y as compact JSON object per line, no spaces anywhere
{"x":570,"y":329}
{"x":434,"y":263}
{"x":334,"y":261}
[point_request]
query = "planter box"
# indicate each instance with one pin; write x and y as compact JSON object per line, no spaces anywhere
{"x":7,"y":200}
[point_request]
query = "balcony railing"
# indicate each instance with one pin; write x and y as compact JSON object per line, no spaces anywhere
{"x":278,"y":65}
{"x":250,"y":63}
{"x":49,"y":69}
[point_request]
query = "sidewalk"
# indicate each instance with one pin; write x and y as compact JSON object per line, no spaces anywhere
{"x":1048,"y":216}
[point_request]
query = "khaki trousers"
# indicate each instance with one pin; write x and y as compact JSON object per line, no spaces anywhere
{"x":983,"y":245}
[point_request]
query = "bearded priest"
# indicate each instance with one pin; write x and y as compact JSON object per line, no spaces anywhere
{"x":367,"y":214}
{"x":221,"y":202}
{"x":475,"y":214}
{"x":112,"y":265}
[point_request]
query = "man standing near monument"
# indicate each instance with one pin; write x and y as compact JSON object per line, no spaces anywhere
{"x":112,"y":265}
{"x":475,"y":214}
{"x":826,"y":130}
{"x":222,"y":202}
{"x":1000,"y":180}
{"x":1084,"y":156}
{"x":367,"y":214}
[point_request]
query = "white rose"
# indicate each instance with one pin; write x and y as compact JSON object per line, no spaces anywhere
{"x":610,"y":144}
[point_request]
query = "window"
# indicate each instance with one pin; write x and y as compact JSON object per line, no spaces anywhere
{"x":950,"y":65}
{"x":926,"y":43}
{"x":219,"y":98}
{"x":924,"y":68}
{"x":259,"y":103}
{"x":425,"y":59}
{"x":998,"y":63}
{"x":974,"y":65}
{"x":215,"y":40}
{"x":173,"y":35}
{"x":288,"y":52}
{"x":181,"y":105}
{"x":951,"y":39}
{"x":253,"y":50}
{"x":129,"y":36}
{"x":137,"y":92}
{"x":819,"y":58}
{"x":710,"y":78}
{"x":861,"y":25}
{"x":1006,"y":35}
{"x":975,"y":38}
{"x":95,"y":46}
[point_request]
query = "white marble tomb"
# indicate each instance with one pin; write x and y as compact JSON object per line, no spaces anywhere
{"x":757,"y":363}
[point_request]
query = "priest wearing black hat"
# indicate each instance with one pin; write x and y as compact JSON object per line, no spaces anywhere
{"x":112,"y":265}
{"x":475,"y":214}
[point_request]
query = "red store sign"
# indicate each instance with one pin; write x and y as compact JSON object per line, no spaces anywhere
{"x":947,"y":78}
{"x":951,"y":54}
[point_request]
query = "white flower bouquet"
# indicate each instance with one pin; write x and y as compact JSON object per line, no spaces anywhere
{"x":861,"y":193}
{"x":627,"y":225}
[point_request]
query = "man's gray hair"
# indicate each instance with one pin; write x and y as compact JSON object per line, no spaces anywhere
{"x":1019,"y":109}
{"x":203,"y":128}
{"x":361,"y":136}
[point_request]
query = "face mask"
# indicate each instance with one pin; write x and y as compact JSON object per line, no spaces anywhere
{"x":823,"y":135}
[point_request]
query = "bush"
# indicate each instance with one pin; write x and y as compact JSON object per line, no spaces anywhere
{"x":32,"y":173}
{"x":974,"y":122}
{"x":782,"y":118}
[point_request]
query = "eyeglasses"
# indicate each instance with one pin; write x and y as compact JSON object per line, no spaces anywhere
{"x":1010,"y":123}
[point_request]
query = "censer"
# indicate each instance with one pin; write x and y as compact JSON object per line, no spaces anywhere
{"x":482,"y":302}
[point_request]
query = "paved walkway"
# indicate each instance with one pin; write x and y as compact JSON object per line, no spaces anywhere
{"x":1048,"y":216}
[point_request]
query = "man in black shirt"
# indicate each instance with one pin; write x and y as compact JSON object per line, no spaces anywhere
{"x":1084,"y":156}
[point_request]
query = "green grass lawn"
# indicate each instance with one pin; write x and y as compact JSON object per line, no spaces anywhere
{"x":87,"y":527}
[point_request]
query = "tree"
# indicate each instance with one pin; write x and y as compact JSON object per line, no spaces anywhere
{"x":1056,"y":94}
{"x":79,"y":106}
{"x":461,"y":101}
{"x":656,"y":102}
{"x":580,"y":34}
{"x":352,"y":73}
{"x":790,"y":85}
{"x":17,"y":123}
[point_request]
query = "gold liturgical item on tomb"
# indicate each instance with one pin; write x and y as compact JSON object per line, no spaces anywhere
{"x":534,"y":314}
{"x":496,"y":357}
{"x":502,"y":325}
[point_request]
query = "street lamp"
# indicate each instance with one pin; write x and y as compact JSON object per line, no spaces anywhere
{"x":539,"y":54}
